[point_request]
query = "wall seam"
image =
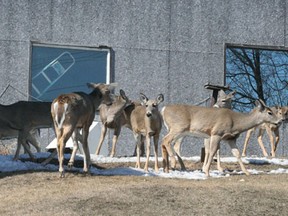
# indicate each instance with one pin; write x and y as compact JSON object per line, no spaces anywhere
{"x":169,"y":55}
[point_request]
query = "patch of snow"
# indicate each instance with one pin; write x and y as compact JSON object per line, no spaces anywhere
{"x":8,"y":165}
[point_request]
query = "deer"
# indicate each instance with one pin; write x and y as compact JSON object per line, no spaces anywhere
{"x":113,"y":112}
{"x":22,"y":120}
{"x":113,"y":121}
{"x":73,"y":111}
{"x":223,"y":101}
{"x":270,"y":129}
{"x":215,"y":124}
{"x":146,"y":122}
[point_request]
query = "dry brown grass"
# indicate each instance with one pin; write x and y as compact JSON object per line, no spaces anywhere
{"x":44,"y":193}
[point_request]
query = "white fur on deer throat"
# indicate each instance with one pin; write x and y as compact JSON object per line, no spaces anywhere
{"x":63,"y":115}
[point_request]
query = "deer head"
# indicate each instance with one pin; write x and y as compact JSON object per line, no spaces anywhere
{"x":151,"y":105}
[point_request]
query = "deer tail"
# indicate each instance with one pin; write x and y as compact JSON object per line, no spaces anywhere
{"x":60,"y":111}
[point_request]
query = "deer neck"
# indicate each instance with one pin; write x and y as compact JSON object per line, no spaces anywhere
{"x":248,"y":121}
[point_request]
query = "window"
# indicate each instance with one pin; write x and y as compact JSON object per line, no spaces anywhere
{"x":62,"y":69}
{"x":257,"y":73}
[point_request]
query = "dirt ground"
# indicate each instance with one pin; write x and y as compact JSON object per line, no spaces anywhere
{"x":44,"y":193}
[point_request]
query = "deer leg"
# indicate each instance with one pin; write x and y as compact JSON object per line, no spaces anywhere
{"x":51,"y":156}
{"x":260,"y":142}
{"x":247,"y":138}
{"x":85,"y":132}
{"x":277,"y":138}
{"x":167,"y":150}
{"x":117,"y":131}
{"x":236,"y":153}
{"x":155,"y":141}
{"x":271,"y":138}
{"x":177,"y":146}
{"x":75,"y":148}
{"x":60,"y":151}
{"x":148,"y":140}
{"x":138,"y":138}
{"x":31,"y":137}
{"x":16,"y":156}
{"x":220,"y":169}
{"x":63,"y":135}
{"x":207,"y":151}
{"x":22,"y":136}
{"x":214,"y":142}
{"x":102,"y":136}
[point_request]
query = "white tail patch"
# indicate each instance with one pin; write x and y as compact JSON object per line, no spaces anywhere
{"x":59,"y":123}
{"x":162,"y":114}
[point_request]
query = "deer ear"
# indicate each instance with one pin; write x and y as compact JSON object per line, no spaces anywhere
{"x":123,"y":95}
{"x":221,"y":94}
{"x":160,"y":98}
{"x":92,"y":85}
{"x":112,"y":86}
{"x":260,"y":104}
{"x":143,"y":98}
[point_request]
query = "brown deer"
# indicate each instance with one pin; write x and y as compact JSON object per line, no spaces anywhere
{"x":216,"y":124}
{"x":270,"y":129}
{"x":223,"y":101}
{"x":22,"y":120}
{"x":113,"y":112}
{"x":74,"y":111}
{"x":113,"y":121}
{"x":146,"y":122}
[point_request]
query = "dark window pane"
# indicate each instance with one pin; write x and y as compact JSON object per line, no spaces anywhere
{"x":257,"y":74}
{"x":57,"y":70}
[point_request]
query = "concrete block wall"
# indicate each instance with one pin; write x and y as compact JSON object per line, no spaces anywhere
{"x":160,"y":46}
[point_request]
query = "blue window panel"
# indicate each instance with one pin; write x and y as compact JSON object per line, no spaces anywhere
{"x":57,"y":70}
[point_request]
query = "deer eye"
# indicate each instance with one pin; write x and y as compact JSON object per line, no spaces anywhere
{"x":270,"y":113}
{"x":154,"y":105}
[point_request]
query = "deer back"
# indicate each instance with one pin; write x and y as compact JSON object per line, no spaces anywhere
{"x":203,"y":121}
{"x":78,"y":109}
{"x":26,"y":114}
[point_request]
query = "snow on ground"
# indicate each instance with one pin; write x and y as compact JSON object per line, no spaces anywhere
{"x":8,"y":165}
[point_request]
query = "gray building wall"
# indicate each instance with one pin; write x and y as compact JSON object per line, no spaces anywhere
{"x":172,"y":47}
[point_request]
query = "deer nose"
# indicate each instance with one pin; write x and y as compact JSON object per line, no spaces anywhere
{"x":148,"y":114}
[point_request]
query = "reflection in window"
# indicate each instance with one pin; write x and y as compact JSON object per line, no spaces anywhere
{"x":257,"y":74}
{"x":56,"y":70}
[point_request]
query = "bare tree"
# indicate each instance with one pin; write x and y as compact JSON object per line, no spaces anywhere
{"x":257,"y":74}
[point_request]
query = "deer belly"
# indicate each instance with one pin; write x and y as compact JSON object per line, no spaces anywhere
{"x":194,"y":134}
{"x":199,"y":134}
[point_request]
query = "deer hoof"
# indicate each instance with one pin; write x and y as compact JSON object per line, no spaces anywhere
{"x":86,"y":173}
{"x":247,"y":173}
{"x":62,"y":174}
{"x":70,"y":164}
